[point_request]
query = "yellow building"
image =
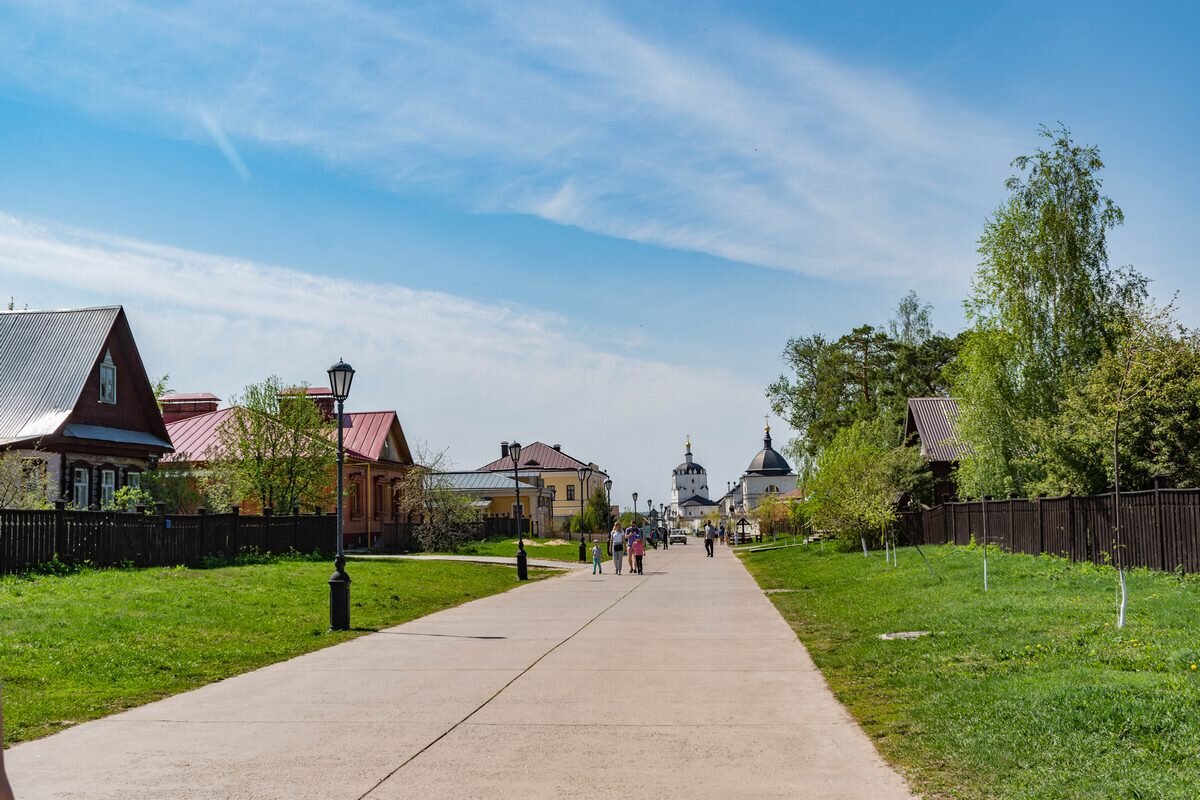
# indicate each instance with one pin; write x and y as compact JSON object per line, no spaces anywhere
{"x":494,"y":494}
{"x":548,"y":466}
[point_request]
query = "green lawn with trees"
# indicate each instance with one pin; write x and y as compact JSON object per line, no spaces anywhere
{"x":83,"y":645}
{"x":1028,"y":691}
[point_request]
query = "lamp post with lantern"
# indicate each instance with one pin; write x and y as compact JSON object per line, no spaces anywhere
{"x":514,"y":450}
{"x":584,"y":473}
{"x":341,"y":375}
{"x":635,"y":514}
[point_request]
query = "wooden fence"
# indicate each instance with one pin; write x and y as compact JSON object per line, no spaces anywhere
{"x":1160,"y":528}
{"x":104,"y":538}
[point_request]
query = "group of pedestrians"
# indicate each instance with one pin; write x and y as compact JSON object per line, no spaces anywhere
{"x":626,"y":545}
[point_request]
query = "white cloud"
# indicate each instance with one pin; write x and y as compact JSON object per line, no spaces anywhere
{"x":740,"y":145}
{"x":461,"y":374}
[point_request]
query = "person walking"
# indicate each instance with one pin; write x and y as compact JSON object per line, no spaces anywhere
{"x":633,"y":534}
{"x":617,"y":540}
{"x":721,"y":532}
{"x":597,"y":568}
{"x":638,"y":551}
{"x":710,"y":533}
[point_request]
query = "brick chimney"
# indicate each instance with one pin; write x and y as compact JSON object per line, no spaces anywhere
{"x":504,"y":449}
{"x":182,"y":406}
{"x":558,"y":447}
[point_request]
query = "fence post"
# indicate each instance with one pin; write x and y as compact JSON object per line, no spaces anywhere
{"x":268,"y":539}
{"x":1159,"y":528}
{"x":202,"y":550}
{"x":1012,"y":535}
{"x":953,"y":519}
{"x":60,"y":529}
{"x":1041,"y":527}
{"x":296,"y":528}
{"x":1071,"y":524}
{"x":235,"y":544}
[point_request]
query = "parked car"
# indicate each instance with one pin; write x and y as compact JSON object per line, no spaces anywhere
{"x":678,"y":535}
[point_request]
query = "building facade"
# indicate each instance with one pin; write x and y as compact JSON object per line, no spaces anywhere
{"x":76,"y":404}
{"x":690,"y":502}
{"x":547,"y":466}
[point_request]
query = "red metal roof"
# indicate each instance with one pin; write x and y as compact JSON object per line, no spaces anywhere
{"x":536,"y":456}
{"x":181,"y":397}
{"x":198,"y":438}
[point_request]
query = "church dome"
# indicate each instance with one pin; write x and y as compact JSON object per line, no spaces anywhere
{"x":689,"y":467}
{"x":768,"y":461}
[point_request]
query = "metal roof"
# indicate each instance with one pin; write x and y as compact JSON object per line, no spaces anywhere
{"x":198,"y":438}
{"x":478,"y":481}
{"x":46,"y":358}
{"x":932,"y":420}
{"x":538,"y":456}
{"x":101,"y":433}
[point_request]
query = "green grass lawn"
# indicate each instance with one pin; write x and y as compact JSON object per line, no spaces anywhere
{"x":549,"y":549}
{"x":80,"y":646}
{"x":1028,"y":691}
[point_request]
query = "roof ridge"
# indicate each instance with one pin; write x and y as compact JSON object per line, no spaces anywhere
{"x":59,"y":310}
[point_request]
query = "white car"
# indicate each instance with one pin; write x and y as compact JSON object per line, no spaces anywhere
{"x":678,"y":535}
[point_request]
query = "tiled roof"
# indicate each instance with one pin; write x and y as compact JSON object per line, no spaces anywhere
{"x":46,"y":358}
{"x":697,"y":500}
{"x":932,"y":419}
{"x":536,"y":456}
{"x":198,"y":438}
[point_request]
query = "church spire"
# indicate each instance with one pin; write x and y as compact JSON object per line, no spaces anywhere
{"x":687,"y":456}
{"x":766,"y":432}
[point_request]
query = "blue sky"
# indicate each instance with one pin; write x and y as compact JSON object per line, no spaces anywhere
{"x":589,"y":223}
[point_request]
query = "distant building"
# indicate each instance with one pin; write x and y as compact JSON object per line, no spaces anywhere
{"x":690,"y":502}
{"x":768,"y":474}
{"x":548,"y":466}
{"x":76,"y":402}
{"x":377,"y":456}
{"x":930,"y":426}
{"x":494,"y":494}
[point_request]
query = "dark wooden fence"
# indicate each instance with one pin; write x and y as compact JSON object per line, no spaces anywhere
{"x":400,"y":537}
{"x":104,"y":538}
{"x":1160,"y":528}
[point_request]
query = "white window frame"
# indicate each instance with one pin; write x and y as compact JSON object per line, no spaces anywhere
{"x":81,"y":482}
{"x":134,"y":480}
{"x":108,"y":485}
{"x":108,"y":379}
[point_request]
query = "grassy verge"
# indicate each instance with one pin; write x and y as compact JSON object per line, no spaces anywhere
{"x":550,"y":549}
{"x":84,"y":645}
{"x":1028,"y":691}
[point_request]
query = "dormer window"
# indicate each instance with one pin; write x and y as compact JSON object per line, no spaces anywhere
{"x":108,"y":379}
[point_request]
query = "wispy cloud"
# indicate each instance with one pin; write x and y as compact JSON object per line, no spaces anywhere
{"x":740,"y":144}
{"x":462,"y":374}
{"x":222,"y":142}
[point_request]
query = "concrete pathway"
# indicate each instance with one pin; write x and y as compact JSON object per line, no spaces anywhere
{"x":538,"y":563}
{"x":685,"y":683}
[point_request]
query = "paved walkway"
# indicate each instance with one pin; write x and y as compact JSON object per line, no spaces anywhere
{"x":532,"y":563}
{"x":685,"y":683}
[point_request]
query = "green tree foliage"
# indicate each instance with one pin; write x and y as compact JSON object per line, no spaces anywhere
{"x":1045,"y":307}
{"x":859,"y":478}
{"x":595,"y":517}
{"x":128,"y":498}
{"x":276,"y":447}
{"x":862,"y":375}
{"x":1151,"y":379}
{"x":24,"y":479}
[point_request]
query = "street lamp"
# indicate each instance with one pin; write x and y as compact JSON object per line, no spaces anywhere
{"x":662,"y":515}
{"x":341,"y":375}
{"x":514,"y":450}
{"x":608,"y":496}
{"x":584,"y":473}
{"x":635,"y":508}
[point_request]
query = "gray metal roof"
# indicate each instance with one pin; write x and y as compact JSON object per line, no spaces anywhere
{"x":933,"y":419}
{"x":46,"y":358}
{"x":101,"y":433}
{"x":477,"y":481}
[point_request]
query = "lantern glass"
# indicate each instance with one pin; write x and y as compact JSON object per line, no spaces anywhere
{"x":341,"y":375}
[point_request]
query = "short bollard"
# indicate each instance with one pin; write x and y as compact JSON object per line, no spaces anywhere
{"x":522,"y":563}
{"x":582,"y":549}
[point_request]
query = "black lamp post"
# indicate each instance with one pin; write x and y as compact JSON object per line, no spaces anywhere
{"x":584,"y":473}
{"x":514,"y":450}
{"x":341,"y":375}
{"x":608,"y":496}
{"x":635,"y":516}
